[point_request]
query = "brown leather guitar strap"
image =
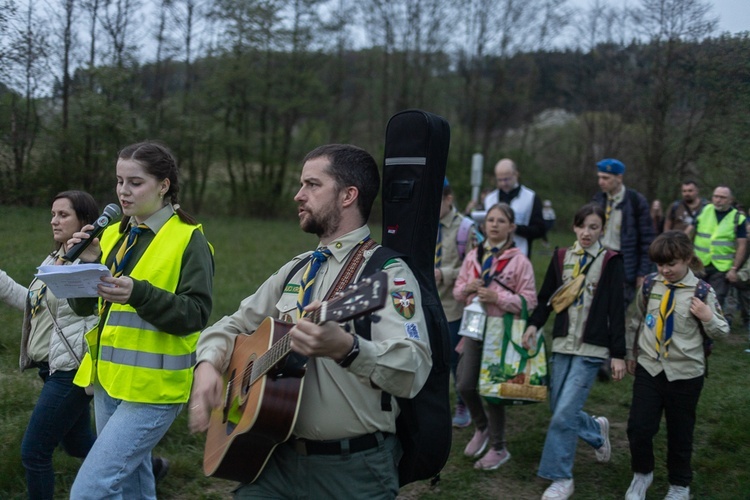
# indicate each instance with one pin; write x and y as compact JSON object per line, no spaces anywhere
{"x":346,"y":276}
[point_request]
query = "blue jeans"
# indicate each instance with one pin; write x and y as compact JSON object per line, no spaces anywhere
{"x":572,"y":378}
{"x":119,"y":463}
{"x":61,"y":415}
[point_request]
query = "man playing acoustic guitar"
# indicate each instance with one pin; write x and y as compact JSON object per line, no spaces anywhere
{"x":342,"y":442}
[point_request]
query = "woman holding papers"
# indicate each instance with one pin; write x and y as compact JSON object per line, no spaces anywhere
{"x":152,"y":310}
{"x":52,"y":342}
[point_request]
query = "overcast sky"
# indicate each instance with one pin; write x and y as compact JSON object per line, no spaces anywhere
{"x":734,"y":15}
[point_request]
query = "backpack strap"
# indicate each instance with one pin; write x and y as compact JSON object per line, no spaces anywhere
{"x":648,"y":284}
{"x":463,"y":235}
{"x":363,"y":325}
{"x":297,"y":267}
{"x":378,"y":260}
{"x":701,"y":291}
{"x":346,"y":275}
{"x":560,"y":252}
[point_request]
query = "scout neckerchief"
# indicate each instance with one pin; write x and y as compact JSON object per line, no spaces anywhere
{"x":610,"y":205}
{"x":665,"y":320}
{"x":36,"y":299}
{"x":126,"y":250}
{"x":582,"y":267}
{"x":123,"y":255}
{"x":487,"y":274}
{"x":304,"y":297}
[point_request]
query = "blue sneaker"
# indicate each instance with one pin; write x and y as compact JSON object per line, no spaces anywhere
{"x":462,"y":418}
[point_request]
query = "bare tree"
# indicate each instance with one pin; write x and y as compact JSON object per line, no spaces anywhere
{"x":195,"y":145}
{"x":117,"y":18}
{"x":411,"y":36}
{"x":27,"y":55}
{"x":668,"y":24}
{"x":603,"y":84}
{"x":8,"y":13}
{"x":493,"y":33}
{"x":67,"y":35}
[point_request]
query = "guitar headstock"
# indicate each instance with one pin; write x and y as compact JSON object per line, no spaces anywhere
{"x":365,"y":296}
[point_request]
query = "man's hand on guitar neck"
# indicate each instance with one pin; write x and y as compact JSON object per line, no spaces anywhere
{"x":204,"y":396}
{"x":325,"y":340}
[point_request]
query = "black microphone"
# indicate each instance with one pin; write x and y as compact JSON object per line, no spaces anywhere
{"x":111,"y":212}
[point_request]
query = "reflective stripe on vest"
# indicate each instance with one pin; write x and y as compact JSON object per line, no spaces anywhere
{"x":715,"y":242}
{"x":136,"y":361}
{"x":147,"y":359}
{"x":131,"y":320}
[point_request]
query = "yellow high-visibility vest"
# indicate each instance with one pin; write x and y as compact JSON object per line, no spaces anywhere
{"x":715,"y":242}
{"x":132,"y":359}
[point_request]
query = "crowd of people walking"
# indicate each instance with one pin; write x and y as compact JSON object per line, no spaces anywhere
{"x":654,"y":285}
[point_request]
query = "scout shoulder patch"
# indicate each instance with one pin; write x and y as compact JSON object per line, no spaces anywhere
{"x":403,"y":302}
{"x":291,"y":288}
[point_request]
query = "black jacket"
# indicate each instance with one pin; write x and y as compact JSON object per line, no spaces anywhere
{"x":605,"y":325}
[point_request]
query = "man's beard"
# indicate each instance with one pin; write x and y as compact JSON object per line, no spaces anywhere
{"x":321,"y":224}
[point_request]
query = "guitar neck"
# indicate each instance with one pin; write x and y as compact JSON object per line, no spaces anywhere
{"x":367,"y":296}
{"x":281,"y":349}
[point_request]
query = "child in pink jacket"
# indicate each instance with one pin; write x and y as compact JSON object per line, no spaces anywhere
{"x":498,"y":274}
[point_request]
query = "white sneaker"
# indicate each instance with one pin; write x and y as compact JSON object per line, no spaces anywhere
{"x":560,"y":489}
{"x":604,"y":452}
{"x":639,"y":485}
{"x":678,"y":493}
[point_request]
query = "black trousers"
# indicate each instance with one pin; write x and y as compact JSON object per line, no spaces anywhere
{"x":678,"y":400}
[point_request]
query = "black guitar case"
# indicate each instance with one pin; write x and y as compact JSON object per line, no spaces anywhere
{"x":416,"y":154}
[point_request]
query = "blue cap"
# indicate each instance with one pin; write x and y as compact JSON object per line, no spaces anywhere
{"x":611,"y":166}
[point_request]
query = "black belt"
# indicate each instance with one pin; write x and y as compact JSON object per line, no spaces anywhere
{"x":339,"y":446}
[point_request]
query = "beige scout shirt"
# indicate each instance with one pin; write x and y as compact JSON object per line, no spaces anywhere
{"x":611,"y":237}
{"x":451,"y":264}
{"x":684,"y":359}
{"x":573,"y":343}
{"x":340,"y":402}
{"x":41,"y":324}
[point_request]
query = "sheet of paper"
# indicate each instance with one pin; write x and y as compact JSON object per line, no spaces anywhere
{"x":68,"y":282}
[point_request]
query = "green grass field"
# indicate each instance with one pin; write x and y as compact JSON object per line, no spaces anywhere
{"x":247,"y":251}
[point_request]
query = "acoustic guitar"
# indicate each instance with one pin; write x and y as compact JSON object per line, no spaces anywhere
{"x":263,"y":386}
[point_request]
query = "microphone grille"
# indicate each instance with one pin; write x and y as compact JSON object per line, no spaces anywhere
{"x":112,"y":211}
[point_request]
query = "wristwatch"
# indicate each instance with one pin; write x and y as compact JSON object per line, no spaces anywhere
{"x":353,"y":353}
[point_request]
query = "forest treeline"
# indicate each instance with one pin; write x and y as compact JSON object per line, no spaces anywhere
{"x":242,"y":89}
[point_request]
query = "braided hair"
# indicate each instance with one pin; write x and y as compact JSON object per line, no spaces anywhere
{"x":157,"y":160}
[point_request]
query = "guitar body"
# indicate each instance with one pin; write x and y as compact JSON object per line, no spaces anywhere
{"x":263,"y":386}
{"x":255,"y":418}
